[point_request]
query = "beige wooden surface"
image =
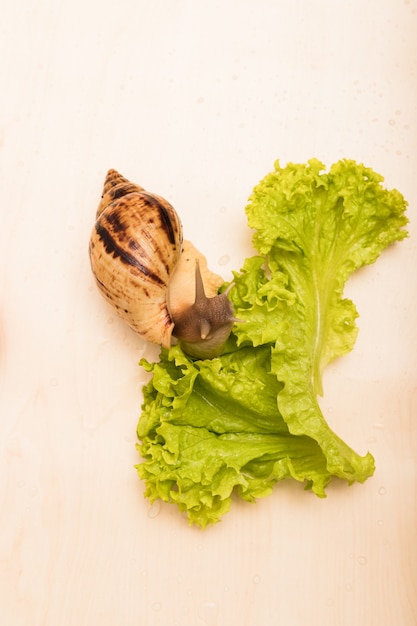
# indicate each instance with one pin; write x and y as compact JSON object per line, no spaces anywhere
{"x":194,"y":100}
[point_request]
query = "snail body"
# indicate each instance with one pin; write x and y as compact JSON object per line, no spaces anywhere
{"x":157,"y":282}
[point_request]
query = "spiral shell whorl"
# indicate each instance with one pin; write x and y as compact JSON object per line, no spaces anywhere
{"x":115,"y":186}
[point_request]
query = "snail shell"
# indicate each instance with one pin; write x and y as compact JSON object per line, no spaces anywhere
{"x":158,"y":283}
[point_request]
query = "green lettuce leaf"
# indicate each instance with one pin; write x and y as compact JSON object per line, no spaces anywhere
{"x":243,"y":421}
{"x":317,"y":228}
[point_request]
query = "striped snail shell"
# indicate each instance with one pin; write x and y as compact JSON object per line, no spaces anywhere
{"x":158,"y":283}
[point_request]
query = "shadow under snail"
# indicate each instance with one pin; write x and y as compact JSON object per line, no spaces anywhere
{"x":156,"y":281}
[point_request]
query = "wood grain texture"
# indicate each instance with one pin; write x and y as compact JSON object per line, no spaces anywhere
{"x":195,"y":100}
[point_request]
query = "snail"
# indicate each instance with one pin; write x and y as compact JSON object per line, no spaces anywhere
{"x":156,"y":281}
